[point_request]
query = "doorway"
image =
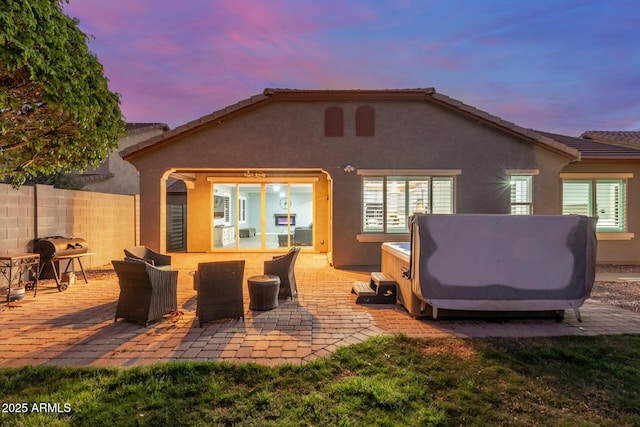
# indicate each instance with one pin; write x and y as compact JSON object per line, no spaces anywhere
{"x":262,"y":215}
{"x":176,"y":234}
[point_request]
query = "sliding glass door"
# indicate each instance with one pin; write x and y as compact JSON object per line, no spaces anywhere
{"x":262,"y":215}
{"x":249,"y":222}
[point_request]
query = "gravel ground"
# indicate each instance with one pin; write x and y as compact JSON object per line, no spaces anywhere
{"x":620,"y":294}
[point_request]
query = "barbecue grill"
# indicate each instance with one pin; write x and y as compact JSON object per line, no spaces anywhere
{"x":56,"y":248}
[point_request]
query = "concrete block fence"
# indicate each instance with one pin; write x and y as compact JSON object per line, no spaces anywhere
{"x":108,"y":222}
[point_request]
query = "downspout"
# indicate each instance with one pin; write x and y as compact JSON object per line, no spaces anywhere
{"x":35,"y":211}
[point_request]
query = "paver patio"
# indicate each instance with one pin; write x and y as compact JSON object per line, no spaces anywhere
{"x":76,"y":328}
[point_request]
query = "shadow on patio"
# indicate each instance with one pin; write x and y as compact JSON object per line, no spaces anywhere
{"x":75,"y":327}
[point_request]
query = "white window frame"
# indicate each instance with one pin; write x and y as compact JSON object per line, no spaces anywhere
{"x":381,"y":202}
{"x":592,"y":180}
{"x":516,"y":175}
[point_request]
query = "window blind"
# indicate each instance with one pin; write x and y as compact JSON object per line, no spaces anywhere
{"x":521,"y":195}
{"x":387,"y":202}
{"x":604,"y":198}
{"x":442,"y":200}
{"x":372,"y":204}
{"x":576,"y":198}
{"x":396,"y":205}
{"x":610,"y":205}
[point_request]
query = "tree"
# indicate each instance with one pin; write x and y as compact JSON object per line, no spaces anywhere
{"x":56,"y":110}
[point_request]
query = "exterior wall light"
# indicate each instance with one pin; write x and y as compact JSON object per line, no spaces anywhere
{"x":249,"y":174}
{"x":349,"y":168}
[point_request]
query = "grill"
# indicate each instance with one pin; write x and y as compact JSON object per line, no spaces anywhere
{"x":55,"y":249}
{"x":57,"y":246}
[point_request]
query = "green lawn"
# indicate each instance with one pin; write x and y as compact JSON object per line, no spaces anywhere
{"x":384,"y":381}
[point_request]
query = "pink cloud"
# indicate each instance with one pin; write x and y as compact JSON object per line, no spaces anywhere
{"x":106,"y":20}
{"x":160,"y":45}
{"x":174,"y":63}
{"x":292,"y":19}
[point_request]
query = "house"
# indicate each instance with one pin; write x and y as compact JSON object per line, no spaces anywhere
{"x":347,"y":167}
{"x":114,"y":175}
{"x":621,"y":138}
{"x":605,"y":183}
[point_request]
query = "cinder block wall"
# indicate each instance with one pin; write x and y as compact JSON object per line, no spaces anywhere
{"x":108,"y":222}
{"x":17,"y":219}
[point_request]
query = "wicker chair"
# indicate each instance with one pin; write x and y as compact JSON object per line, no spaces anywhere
{"x":146,"y":293}
{"x":219,"y":286}
{"x":161,"y":261}
{"x":284,"y":267}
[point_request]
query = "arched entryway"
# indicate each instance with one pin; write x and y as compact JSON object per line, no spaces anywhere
{"x":249,"y":211}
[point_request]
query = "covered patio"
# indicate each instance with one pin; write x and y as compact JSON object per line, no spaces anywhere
{"x":76,"y":328}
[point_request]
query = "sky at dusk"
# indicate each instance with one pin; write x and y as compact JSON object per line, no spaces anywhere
{"x":563,"y":66}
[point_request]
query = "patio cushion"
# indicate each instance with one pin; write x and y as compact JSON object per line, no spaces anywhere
{"x":143,"y":253}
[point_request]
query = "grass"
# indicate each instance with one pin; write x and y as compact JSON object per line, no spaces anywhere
{"x":385,"y":381}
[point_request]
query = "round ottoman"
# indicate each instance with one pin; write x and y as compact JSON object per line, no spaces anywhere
{"x":263,"y":292}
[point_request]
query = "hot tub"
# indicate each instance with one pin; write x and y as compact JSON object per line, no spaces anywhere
{"x":479,"y":265}
{"x":395,"y":260}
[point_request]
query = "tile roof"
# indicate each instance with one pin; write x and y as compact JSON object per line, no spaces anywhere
{"x":622,"y":138}
{"x":427,"y":94}
{"x":144,"y":127}
{"x":92,"y":177}
{"x":591,"y":149}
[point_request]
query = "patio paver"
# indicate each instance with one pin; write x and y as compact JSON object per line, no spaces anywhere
{"x":76,"y":328}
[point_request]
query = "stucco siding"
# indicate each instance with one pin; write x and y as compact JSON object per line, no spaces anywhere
{"x":408,"y":135}
{"x":618,"y":251}
{"x":418,"y":135}
{"x":125,"y":179}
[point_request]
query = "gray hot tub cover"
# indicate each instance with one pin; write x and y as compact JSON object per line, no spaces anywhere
{"x":504,"y":262}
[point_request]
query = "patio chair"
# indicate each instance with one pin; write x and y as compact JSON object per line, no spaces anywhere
{"x":146,"y":292}
{"x":219,"y":286}
{"x":161,"y":261}
{"x":283,"y":266}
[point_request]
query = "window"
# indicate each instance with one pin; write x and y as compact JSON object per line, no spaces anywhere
{"x":521,"y":195}
{"x":242,"y":214}
{"x":227,"y":218}
{"x":373,"y":206}
{"x":389,"y":201}
{"x":604,"y":198}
